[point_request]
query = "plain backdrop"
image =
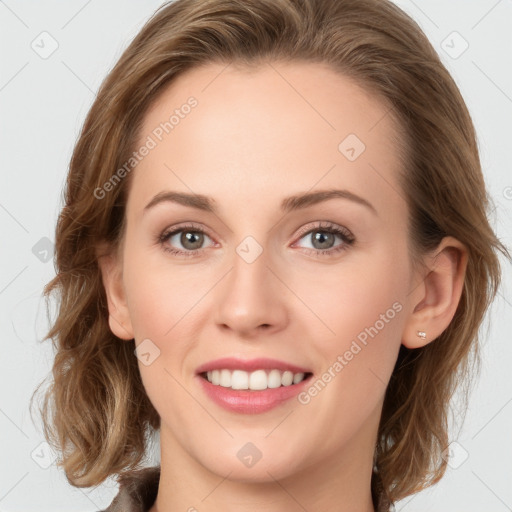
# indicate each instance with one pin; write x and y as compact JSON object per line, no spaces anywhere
{"x":54,"y":56}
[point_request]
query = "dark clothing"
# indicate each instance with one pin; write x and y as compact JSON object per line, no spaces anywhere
{"x":137,"y":491}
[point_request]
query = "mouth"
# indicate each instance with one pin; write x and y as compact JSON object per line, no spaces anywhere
{"x":252,"y":386}
{"x":257,"y":380}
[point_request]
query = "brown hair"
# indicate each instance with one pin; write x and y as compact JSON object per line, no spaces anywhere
{"x":101,"y":415}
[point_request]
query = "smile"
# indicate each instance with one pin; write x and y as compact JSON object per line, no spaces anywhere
{"x":251,"y":386}
{"x":256,"y":381}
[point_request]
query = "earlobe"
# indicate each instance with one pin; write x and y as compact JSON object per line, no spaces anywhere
{"x":119,"y":318}
{"x":436,"y":299}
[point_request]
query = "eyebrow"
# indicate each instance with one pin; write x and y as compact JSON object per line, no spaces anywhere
{"x":292,"y":203}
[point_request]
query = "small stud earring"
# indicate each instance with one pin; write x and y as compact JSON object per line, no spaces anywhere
{"x":422,"y":334}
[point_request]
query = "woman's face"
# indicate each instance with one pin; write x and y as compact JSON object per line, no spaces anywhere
{"x":319,"y":284}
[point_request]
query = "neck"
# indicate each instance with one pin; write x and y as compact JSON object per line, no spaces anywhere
{"x":341,"y":482}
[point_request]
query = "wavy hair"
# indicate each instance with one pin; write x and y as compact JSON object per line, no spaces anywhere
{"x":96,"y":413}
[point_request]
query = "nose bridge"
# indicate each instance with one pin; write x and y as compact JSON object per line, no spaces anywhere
{"x":250,"y":296}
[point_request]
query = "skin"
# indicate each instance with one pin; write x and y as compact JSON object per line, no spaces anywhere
{"x":255,"y":137}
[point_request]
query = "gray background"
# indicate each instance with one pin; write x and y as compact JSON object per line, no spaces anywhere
{"x":43,"y":102}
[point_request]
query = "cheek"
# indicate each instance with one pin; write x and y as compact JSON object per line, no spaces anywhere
{"x":158,"y":293}
{"x":361,"y":292}
{"x":152,"y":312}
{"x":362,"y":315}
{"x":165,"y":306}
{"x":161,"y":301}
{"x":358,"y":359}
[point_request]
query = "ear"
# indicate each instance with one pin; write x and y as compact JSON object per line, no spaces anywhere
{"x":111,"y":272}
{"x":436,"y":298}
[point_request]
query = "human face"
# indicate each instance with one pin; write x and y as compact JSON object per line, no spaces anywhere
{"x":265,"y":282}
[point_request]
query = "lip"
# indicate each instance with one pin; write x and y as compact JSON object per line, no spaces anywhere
{"x":250,"y":365}
{"x":248,"y":401}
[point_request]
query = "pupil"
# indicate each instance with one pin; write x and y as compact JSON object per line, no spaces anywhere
{"x":188,"y":238}
{"x":320,"y":237}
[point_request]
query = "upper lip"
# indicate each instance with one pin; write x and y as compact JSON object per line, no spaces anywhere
{"x":261,"y":363}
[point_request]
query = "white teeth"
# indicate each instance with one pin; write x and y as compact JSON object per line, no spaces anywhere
{"x":257,"y":380}
{"x":274,"y":379}
{"x":239,"y":380}
{"x":225,"y":378}
{"x":298,"y":377}
{"x":287,"y":378}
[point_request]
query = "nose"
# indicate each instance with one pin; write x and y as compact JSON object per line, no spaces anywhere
{"x":251,"y":299}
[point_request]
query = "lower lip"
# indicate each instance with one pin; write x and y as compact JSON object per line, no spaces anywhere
{"x":251,"y":402}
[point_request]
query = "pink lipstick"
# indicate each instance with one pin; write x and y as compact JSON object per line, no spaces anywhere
{"x":251,"y":386}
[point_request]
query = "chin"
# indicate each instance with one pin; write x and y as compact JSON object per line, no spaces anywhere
{"x":246,"y":463}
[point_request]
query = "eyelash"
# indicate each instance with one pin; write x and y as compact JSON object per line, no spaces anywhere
{"x":344,"y":234}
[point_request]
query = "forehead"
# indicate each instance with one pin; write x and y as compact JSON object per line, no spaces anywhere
{"x":262,"y":130}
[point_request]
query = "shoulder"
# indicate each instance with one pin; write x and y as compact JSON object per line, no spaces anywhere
{"x":137,"y":490}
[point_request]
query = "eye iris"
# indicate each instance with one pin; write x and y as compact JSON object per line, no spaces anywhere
{"x":191,"y":237}
{"x":320,"y":236}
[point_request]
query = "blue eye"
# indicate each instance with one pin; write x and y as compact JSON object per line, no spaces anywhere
{"x":192,"y":237}
{"x":324,"y":245}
